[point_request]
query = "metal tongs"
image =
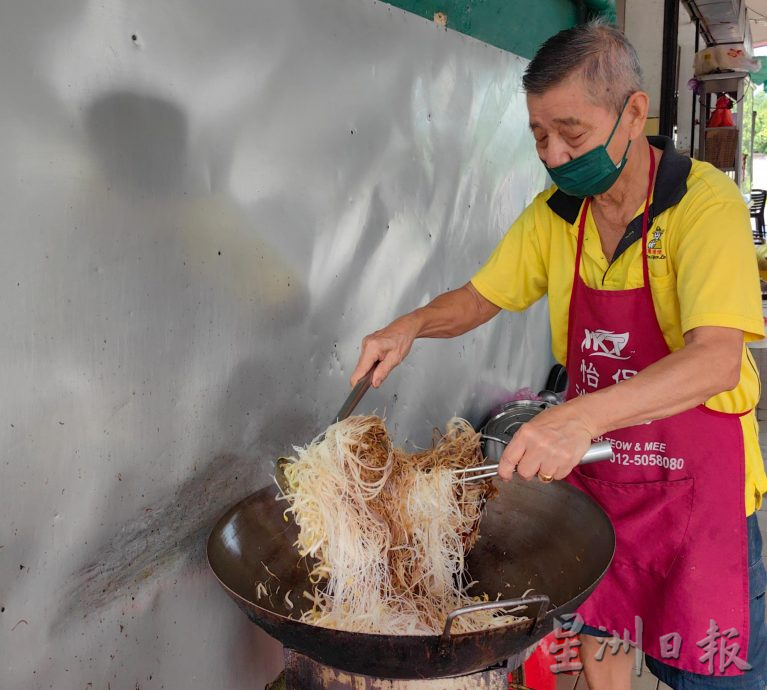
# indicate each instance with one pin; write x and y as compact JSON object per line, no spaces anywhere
{"x":597,"y":453}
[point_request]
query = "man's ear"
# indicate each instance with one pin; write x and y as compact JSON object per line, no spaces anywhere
{"x":636,"y":113}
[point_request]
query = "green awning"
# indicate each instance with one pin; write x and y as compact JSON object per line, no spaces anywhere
{"x":760,"y":76}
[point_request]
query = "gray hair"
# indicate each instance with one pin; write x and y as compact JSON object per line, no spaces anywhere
{"x":599,"y":53}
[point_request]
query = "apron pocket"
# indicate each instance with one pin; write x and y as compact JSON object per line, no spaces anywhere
{"x":650,"y":519}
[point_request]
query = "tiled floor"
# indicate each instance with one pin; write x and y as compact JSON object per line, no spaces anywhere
{"x":646,"y":680}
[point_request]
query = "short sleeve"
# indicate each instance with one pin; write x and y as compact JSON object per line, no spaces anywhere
{"x":515,"y":275}
{"x":715,"y":263}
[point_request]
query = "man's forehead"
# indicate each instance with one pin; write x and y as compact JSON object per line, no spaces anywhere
{"x":569,"y":121}
{"x":568,"y":104}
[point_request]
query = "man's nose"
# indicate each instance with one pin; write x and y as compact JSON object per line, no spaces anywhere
{"x":556,"y":154}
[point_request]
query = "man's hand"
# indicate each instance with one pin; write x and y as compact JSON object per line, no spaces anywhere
{"x":550,"y":445}
{"x":386,"y":348}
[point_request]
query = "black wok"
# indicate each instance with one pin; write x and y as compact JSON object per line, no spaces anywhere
{"x":548,"y":537}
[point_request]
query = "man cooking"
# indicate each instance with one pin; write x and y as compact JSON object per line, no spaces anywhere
{"x":647,"y":261}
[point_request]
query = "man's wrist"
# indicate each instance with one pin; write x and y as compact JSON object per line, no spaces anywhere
{"x":412,"y":323}
{"x":589,"y":411}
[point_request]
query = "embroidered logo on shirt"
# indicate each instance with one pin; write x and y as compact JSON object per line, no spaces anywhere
{"x":654,"y":245}
{"x":604,"y":343}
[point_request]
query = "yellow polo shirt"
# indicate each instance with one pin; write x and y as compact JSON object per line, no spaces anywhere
{"x":702,"y":265}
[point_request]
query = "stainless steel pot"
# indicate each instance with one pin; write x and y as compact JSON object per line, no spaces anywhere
{"x":499,"y":430}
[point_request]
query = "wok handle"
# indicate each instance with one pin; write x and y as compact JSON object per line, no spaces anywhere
{"x":540,"y":599}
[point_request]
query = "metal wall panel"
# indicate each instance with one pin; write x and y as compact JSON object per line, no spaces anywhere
{"x":206,"y":205}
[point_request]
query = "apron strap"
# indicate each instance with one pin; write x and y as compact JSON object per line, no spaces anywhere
{"x":576,"y":273}
{"x":646,"y":221}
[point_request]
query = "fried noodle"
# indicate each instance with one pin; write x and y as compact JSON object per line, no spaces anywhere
{"x":387,"y":531}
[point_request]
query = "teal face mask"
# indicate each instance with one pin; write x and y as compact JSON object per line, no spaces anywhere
{"x":592,"y":173}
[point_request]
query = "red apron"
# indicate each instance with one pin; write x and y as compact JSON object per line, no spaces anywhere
{"x":674,"y":493}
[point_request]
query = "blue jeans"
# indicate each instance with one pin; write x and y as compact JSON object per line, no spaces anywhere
{"x":754,"y":679}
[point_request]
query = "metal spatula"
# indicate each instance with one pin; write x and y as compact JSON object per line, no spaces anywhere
{"x":358,"y":392}
{"x":350,"y":404}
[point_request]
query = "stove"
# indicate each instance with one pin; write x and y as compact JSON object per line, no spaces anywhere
{"x":303,"y":673}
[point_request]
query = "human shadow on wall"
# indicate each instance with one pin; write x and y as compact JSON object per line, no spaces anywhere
{"x":141,"y":143}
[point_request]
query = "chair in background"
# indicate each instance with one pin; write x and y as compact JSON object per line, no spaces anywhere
{"x":756,"y":209}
